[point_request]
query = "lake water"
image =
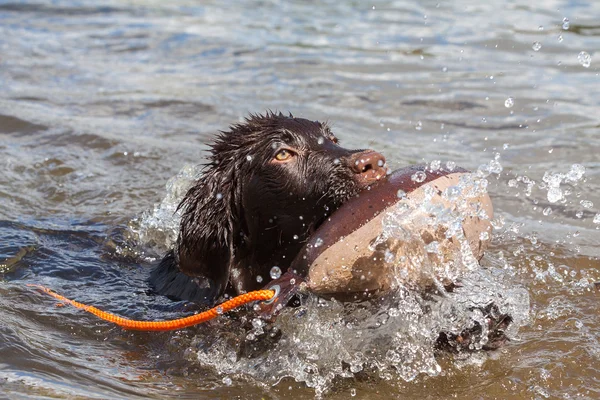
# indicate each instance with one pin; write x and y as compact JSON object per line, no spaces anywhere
{"x":102,"y":103}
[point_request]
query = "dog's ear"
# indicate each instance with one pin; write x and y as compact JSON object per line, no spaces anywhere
{"x":205,"y":244}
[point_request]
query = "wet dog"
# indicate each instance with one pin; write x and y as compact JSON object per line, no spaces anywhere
{"x":269,"y":183}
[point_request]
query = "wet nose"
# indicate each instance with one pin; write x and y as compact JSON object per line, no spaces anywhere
{"x":369,"y":166}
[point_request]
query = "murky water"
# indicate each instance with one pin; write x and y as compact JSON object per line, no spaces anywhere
{"x":101,"y":104}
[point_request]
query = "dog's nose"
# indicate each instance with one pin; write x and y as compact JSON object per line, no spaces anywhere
{"x":369,"y":165}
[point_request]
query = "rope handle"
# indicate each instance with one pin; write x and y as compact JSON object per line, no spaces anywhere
{"x":257,"y":295}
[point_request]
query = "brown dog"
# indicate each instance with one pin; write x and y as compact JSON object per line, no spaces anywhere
{"x":271,"y":181}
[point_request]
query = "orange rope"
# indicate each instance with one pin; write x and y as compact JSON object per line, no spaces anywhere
{"x":166,"y":325}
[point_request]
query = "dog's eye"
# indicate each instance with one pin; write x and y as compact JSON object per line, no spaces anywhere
{"x":284,"y":155}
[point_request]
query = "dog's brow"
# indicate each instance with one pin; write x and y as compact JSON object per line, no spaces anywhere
{"x":287,"y":136}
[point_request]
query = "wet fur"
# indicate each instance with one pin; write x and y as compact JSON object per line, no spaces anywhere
{"x":247,"y":213}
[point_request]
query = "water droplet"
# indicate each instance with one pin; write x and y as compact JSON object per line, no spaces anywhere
{"x":508,"y":103}
{"x":429,"y":192}
{"x":450,"y":165}
{"x":249,"y":157}
{"x":533,"y":239}
{"x":566,"y":23}
{"x":318,"y":242}
{"x":219,"y":196}
{"x":259,"y":278}
{"x":296,"y":237}
{"x":275,"y":272}
{"x":536,"y":46}
{"x":586,"y":204}
{"x":498,"y":222}
{"x":555,"y":195}
{"x":452,"y":193}
{"x":484,"y":236}
{"x":419,"y":125}
{"x":352,"y":392}
{"x":495,"y":167}
{"x":584,"y":59}
{"x":445,"y":69}
{"x":418,"y":176}
{"x":388,"y":257}
{"x":513,"y":183}
{"x":547,"y":211}
{"x":579,"y":214}
{"x":433,"y":247}
{"x":540,"y":28}
{"x":560,"y":38}
{"x":336,"y":161}
{"x":576,"y":173}
{"x":292,"y":281}
{"x":435,"y":165}
{"x":401,"y":194}
{"x":227,"y":381}
{"x":321,"y":140}
{"x":219,"y":310}
{"x":553,"y":181}
{"x":596,"y":219}
{"x":257,"y":323}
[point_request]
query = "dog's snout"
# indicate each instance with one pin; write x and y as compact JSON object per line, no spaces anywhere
{"x":369,"y":166}
{"x":367,"y":160}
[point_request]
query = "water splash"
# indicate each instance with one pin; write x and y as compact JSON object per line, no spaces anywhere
{"x":393,"y":337}
{"x":584,"y":59}
{"x":390,"y":338}
{"x":157,"y":229}
{"x":552,"y":181}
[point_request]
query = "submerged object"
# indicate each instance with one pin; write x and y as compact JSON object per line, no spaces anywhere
{"x":418,"y":227}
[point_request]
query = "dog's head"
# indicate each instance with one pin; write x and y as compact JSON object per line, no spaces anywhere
{"x":271,"y":181}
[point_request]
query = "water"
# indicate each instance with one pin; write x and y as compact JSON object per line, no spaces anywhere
{"x":102,"y":106}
